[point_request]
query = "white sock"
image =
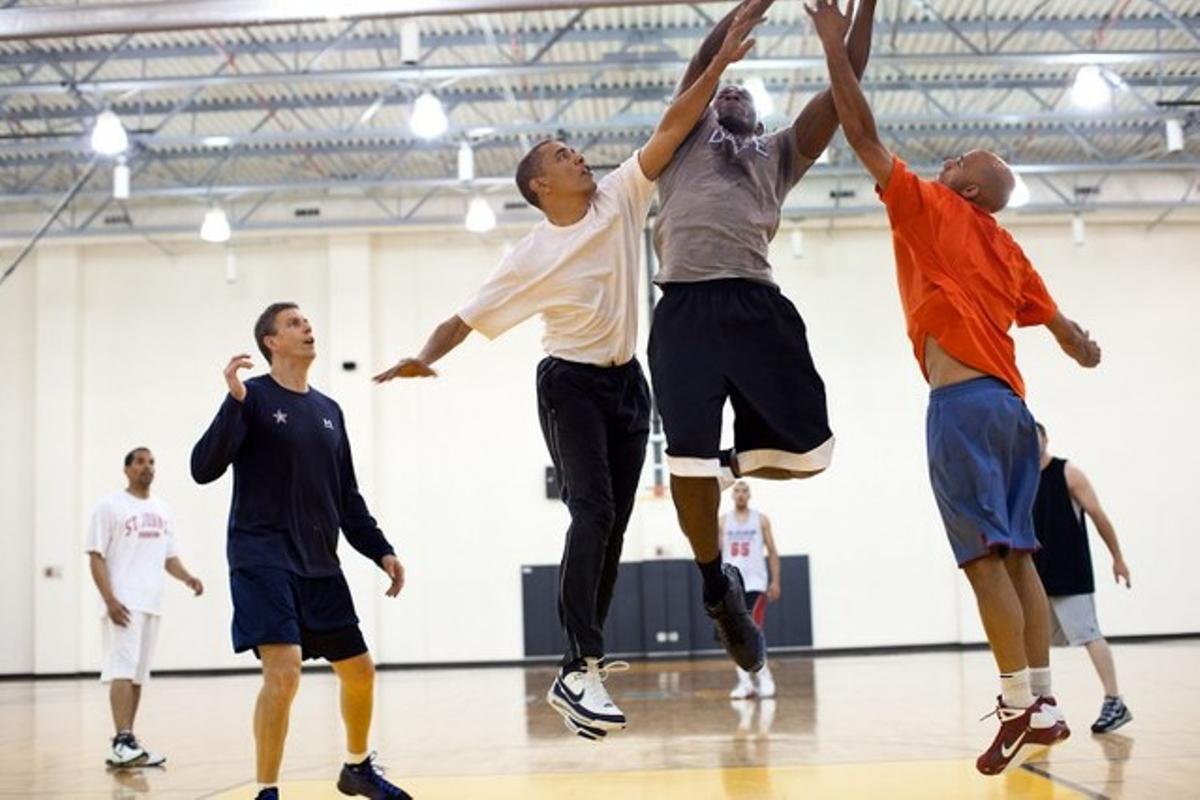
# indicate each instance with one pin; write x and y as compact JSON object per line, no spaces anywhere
{"x":355,"y":758}
{"x":1014,"y":689}
{"x":1039,"y":681}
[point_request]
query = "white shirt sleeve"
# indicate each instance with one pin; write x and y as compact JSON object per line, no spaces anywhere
{"x":505,"y":300}
{"x":99,"y":530}
{"x":631,"y":187}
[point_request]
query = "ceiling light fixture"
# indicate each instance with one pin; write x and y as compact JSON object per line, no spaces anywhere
{"x":428,"y":118}
{"x":121,"y":179}
{"x":466,"y":162}
{"x":480,"y":217}
{"x":1174,"y":131}
{"x":108,"y":136}
{"x":1078,"y":230}
{"x":410,"y":42}
{"x":1092,"y":89}
{"x":215,"y":227}
{"x":1020,"y":194}
{"x":764,"y":105}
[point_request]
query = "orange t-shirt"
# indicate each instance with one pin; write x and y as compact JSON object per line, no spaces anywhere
{"x":963,"y":280}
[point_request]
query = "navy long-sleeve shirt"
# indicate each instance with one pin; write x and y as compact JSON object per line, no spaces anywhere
{"x":293,"y":480}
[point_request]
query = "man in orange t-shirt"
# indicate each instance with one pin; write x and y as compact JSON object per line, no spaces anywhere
{"x":963,"y":283}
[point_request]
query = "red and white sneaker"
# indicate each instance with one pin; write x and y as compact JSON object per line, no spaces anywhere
{"x":1050,"y":706}
{"x":1023,"y":733}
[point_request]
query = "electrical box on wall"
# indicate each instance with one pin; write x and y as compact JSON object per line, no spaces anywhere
{"x":553,"y":488}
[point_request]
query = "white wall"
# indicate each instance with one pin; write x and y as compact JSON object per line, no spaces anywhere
{"x":452,"y":467}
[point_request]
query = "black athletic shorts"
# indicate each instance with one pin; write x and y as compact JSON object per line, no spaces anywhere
{"x":277,"y":606}
{"x":741,"y":340}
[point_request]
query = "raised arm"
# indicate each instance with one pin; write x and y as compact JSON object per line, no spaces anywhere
{"x":689,"y":105}
{"x":445,"y":337}
{"x":1074,"y":340}
{"x":712,"y":45}
{"x":1082,"y":493}
{"x":818,"y":120}
{"x":220,"y":443}
{"x":852,"y":109}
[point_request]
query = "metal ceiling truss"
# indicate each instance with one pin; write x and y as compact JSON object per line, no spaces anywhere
{"x":297,"y":83}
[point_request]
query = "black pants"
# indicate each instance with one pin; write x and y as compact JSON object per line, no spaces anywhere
{"x":596,"y":421}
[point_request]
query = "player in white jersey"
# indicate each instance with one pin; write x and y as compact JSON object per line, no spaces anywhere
{"x":747,"y":543}
{"x":131,"y":543}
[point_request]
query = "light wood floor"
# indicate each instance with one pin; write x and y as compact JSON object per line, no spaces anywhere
{"x":902,"y":726}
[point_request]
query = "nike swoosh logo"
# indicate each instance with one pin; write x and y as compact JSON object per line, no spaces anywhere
{"x":1008,"y":750}
{"x":575,"y":698}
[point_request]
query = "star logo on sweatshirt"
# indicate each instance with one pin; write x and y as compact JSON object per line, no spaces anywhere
{"x":280,"y":417}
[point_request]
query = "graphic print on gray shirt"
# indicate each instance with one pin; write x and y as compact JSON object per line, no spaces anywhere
{"x":720,"y":199}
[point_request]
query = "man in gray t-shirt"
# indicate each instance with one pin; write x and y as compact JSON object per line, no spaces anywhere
{"x":723,"y":330}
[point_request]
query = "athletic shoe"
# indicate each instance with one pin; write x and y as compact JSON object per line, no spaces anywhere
{"x":742,"y":639}
{"x":126,"y":752}
{"x":584,"y":731}
{"x":270,"y":793}
{"x":580,"y":694}
{"x":1113,"y":714}
{"x":1050,"y":706}
{"x":766,"y":684}
{"x":366,"y":780}
{"x":1023,"y":733}
{"x":744,"y":688}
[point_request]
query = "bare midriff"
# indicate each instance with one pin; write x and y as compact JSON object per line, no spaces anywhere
{"x":944,"y":369}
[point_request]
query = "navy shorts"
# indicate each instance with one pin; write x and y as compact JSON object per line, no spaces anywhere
{"x":984,"y":467}
{"x":277,"y":606}
{"x":742,"y":341}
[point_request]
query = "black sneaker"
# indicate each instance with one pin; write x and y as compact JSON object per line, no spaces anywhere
{"x":742,"y":639}
{"x":1113,"y":714}
{"x":366,"y":780}
{"x":270,"y":793}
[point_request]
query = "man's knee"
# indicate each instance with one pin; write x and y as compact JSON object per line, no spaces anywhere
{"x":358,"y":671}
{"x":281,"y":670}
{"x":594,"y":513}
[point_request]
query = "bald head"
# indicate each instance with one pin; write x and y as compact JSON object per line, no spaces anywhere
{"x":980,"y":176}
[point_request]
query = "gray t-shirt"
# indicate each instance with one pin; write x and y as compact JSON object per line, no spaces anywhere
{"x":720,"y":199}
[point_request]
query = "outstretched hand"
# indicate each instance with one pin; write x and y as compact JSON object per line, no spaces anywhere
{"x":735,"y":46}
{"x":830,"y":23}
{"x":406,"y":368}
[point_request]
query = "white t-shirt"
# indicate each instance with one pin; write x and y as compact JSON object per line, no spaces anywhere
{"x":136,"y":537}
{"x":582,"y":278}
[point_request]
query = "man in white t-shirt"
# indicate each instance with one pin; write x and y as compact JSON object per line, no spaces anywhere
{"x":131,"y":543}
{"x":747,"y":543}
{"x":579,"y":269}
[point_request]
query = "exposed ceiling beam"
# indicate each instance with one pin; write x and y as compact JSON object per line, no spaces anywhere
{"x":334,"y":139}
{"x":151,"y":109}
{"x":83,"y":52}
{"x":90,"y":20}
{"x":629,"y":62}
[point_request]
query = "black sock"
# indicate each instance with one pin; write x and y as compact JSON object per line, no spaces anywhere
{"x":715,"y":582}
{"x":577,"y":665}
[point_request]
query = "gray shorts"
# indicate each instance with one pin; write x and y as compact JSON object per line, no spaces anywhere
{"x":1073,"y":620}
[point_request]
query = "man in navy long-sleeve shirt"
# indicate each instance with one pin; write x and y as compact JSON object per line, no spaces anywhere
{"x":293,"y":489}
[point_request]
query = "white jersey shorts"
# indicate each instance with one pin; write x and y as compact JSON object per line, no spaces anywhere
{"x":127,"y":649}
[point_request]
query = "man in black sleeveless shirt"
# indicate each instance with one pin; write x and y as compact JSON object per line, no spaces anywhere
{"x":1065,"y":499}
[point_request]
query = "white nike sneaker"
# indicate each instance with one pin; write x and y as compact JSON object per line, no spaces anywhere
{"x":580,"y":695}
{"x":766,"y":684}
{"x":744,"y":689}
{"x":126,"y":752}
